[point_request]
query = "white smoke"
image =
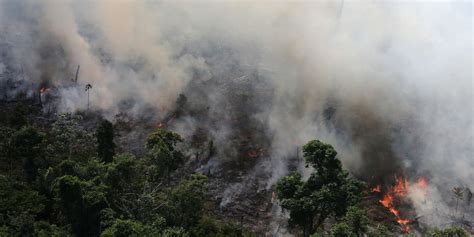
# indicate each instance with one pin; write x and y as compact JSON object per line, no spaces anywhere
{"x":399,"y":74}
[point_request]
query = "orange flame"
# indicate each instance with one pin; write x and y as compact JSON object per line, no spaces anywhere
{"x":400,"y":190}
{"x":401,"y":187}
{"x":422,"y":184}
{"x":377,"y":189}
{"x":252,"y":154}
{"x":43,"y":90}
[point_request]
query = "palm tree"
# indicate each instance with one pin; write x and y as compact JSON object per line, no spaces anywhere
{"x":88,"y":87}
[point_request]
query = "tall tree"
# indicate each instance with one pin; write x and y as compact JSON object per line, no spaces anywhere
{"x":27,"y":146}
{"x":19,"y":117}
{"x":105,"y":141}
{"x":6,"y":150}
{"x":88,"y":88}
{"x":163,"y":153}
{"x":329,"y":191}
{"x":81,"y":202}
{"x":69,"y":140}
{"x":184,"y":204}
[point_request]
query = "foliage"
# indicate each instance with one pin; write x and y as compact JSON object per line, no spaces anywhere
{"x":19,"y":118}
{"x":205,"y":227}
{"x":67,"y":139}
{"x":329,"y":191}
{"x":170,"y":139}
{"x":125,"y":183}
{"x":163,"y":153}
{"x":18,"y":207}
{"x":129,"y":228}
{"x":449,"y":232}
{"x":380,"y":231}
{"x":44,"y":229}
{"x":209,"y":227}
{"x":123,"y":173}
{"x":357,"y":220}
{"x":6,"y":150}
{"x":82,"y":202}
{"x":341,"y":230}
{"x":175,"y":232}
{"x":183,"y":206}
{"x":70,"y":192}
{"x":26,"y":145}
{"x":105,"y":141}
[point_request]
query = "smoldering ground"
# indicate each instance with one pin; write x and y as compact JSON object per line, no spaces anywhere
{"x":389,"y":84}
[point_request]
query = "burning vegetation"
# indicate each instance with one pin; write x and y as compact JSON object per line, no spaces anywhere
{"x":397,"y":196}
{"x":186,"y":128}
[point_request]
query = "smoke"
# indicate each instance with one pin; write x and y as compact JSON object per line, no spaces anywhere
{"x":389,"y":84}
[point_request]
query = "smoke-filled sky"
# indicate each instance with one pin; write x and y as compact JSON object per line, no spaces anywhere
{"x":388,"y":83}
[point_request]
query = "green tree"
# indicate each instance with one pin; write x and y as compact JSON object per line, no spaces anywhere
{"x":329,"y":190}
{"x":27,"y":146}
{"x":68,"y":167}
{"x":184,"y":203}
{"x":129,"y":228}
{"x":68,"y":140}
{"x":205,"y":227}
{"x":449,"y":232}
{"x":19,"y":206}
{"x":341,"y":229}
{"x":82,"y":202}
{"x":105,"y":141}
{"x":163,"y":153}
{"x":6,"y":150}
{"x":123,"y":173}
{"x":124,"y":179}
{"x":19,"y":118}
{"x":175,"y":232}
{"x":355,"y":223}
{"x":357,"y":220}
{"x":44,"y":229}
{"x":380,"y":231}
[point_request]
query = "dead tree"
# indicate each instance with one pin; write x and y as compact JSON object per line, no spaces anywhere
{"x":77,"y":74}
{"x":458,"y":194}
{"x":88,"y":87}
{"x":467,"y":196}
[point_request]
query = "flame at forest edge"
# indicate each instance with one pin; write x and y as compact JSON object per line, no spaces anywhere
{"x":397,"y":193}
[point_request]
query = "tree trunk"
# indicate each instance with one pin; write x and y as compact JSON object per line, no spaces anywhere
{"x":321,"y":219}
{"x":87,"y":100}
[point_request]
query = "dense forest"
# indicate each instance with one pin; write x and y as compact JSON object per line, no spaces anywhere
{"x":59,"y":178}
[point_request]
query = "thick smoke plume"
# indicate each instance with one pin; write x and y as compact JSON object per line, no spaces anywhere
{"x":389,"y":84}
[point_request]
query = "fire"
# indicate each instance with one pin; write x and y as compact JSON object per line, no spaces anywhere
{"x":256,"y":153}
{"x":43,"y":90}
{"x":387,"y":200}
{"x":253,"y":154}
{"x":399,"y":191}
{"x":401,"y":187}
{"x":422,"y":184}
{"x":377,"y":189}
